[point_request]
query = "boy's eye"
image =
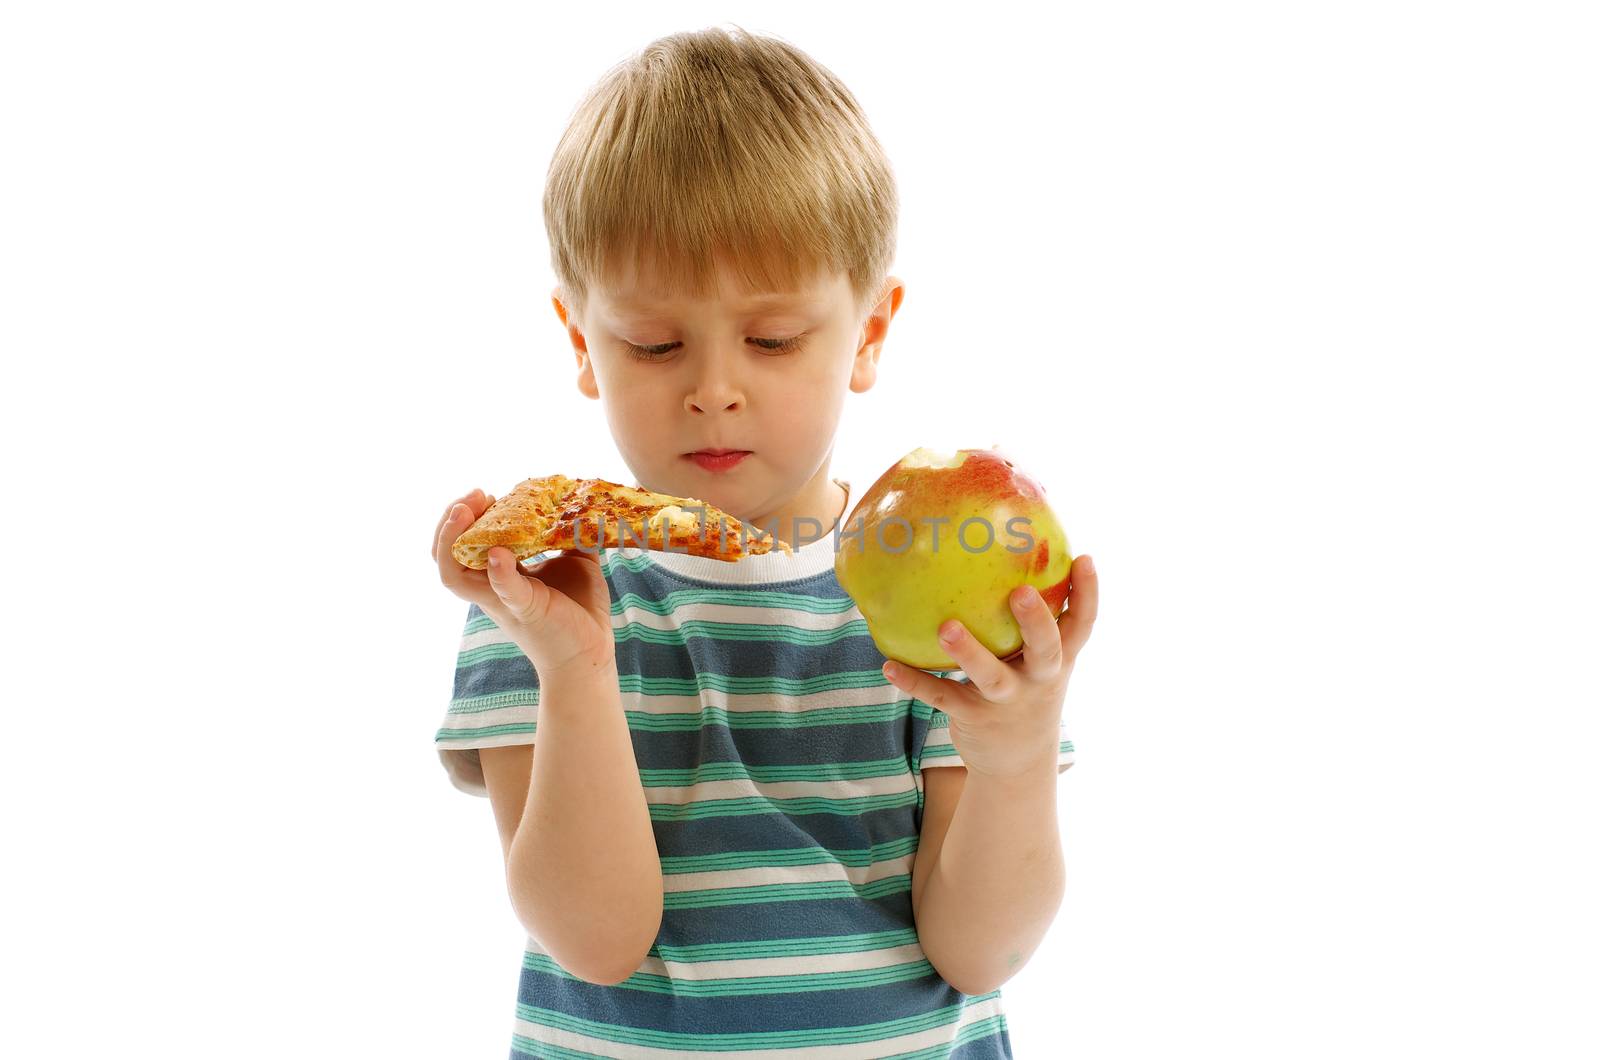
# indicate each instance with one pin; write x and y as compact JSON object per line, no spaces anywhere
{"x":648,"y":353}
{"x":645,"y":353}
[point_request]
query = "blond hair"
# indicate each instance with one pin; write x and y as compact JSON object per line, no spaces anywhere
{"x":709,"y":144}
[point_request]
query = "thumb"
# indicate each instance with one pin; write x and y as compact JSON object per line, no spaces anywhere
{"x":524,"y":597}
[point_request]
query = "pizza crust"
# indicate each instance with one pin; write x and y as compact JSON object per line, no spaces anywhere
{"x":558,"y":512}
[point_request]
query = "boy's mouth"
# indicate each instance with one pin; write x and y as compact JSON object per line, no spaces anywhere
{"x":717,"y":459}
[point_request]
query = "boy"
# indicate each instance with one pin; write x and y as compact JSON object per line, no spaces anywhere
{"x":735,"y":840}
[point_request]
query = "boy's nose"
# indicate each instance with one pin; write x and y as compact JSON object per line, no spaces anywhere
{"x":719,"y":373}
{"x":715,"y":391}
{"x":725,"y":402}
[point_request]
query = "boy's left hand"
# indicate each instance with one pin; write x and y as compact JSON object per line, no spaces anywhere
{"x":1008,"y":720}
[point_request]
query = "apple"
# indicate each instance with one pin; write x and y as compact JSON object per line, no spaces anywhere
{"x":938,"y":537}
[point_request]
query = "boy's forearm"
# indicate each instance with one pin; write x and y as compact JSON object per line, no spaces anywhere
{"x":998,"y":880}
{"x":583,"y":870}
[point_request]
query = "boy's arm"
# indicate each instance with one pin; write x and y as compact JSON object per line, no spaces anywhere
{"x":996,"y":880}
{"x":582,"y":867}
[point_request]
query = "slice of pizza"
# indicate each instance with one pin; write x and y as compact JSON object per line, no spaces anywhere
{"x":557,"y":512}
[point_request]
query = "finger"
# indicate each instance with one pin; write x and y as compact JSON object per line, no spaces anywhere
{"x":456,"y":519}
{"x":1083,"y":600}
{"x":449,"y":508}
{"x":461,"y":580}
{"x":993,"y":679}
{"x":525,"y":599}
{"x":1041,"y":641}
{"x":448,"y":511}
{"x":952,"y":697}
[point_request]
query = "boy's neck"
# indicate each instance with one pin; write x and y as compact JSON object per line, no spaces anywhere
{"x":813,"y":513}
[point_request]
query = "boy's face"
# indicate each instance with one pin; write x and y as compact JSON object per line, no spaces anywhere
{"x":759,"y":371}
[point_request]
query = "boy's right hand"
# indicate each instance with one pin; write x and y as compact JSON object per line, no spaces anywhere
{"x":558,"y":611}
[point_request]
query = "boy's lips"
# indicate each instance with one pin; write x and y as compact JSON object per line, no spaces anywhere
{"x":717,"y":460}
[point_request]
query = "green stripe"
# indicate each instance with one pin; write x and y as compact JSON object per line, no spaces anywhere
{"x":517,"y":697}
{"x":817,"y":771}
{"x":984,"y":1028}
{"x":949,"y":750}
{"x":757,"y":599}
{"x":764,"y":719}
{"x":758,"y":805}
{"x":813,"y":1037}
{"x":479,"y":624}
{"x":771,"y":683}
{"x":485,"y":730}
{"x":736,"y":632}
{"x":643,"y":721}
{"x":485,"y":652}
{"x":987,"y":1027}
{"x":610,"y":561}
{"x":762,"y":894}
{"x":730,"y":860}
{"x":707,"y":679}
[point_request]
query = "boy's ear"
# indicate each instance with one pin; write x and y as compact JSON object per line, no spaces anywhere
{"x":580,"y":348}
{"x":873,"y":333}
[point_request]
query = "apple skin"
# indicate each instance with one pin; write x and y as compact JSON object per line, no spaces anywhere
{"x":906,"y":593}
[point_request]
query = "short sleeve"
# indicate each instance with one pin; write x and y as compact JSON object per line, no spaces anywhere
{"x":495,"y":702}
{"x":939,"y":750}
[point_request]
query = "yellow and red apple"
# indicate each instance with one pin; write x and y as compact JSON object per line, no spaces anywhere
{"x":938,"y":537}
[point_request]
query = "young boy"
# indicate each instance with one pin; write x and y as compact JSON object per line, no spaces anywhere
{"x":735,"y":840}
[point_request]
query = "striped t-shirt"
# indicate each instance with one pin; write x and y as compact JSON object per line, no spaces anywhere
{"x":784,"y":778}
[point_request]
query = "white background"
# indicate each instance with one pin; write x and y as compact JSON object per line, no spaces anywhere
{"x":1291,"y":307}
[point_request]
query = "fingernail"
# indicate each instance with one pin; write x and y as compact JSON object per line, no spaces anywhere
{"x":951,"y":635}
{"x":454,"y":508}
{"x":1027,"y":598}
{"x":1088,"y":564}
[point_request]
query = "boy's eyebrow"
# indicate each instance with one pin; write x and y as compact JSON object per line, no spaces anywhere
{"x":771,"y":298}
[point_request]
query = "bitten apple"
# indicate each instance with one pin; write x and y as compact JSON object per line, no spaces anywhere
{"x":940,"y":537}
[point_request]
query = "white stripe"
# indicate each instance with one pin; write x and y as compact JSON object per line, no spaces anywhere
{"x":734,"y":614}
{"x":710,"y":790}
{"x":776,"y":875}
{"x":665,"y":705}
{"x":749,"y":967}
{"x":728,"y":614}
{"x":813,"y":964}
{"x":751,"y":702}
{"x":492,"y":635}
{"x":941,"y":738}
